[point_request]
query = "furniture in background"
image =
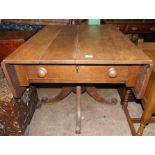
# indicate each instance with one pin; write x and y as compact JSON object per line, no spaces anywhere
{"x":134,"y":28}
{"x":38,"y":21}
{"x":10,"y":40}
{"x":133,"y":25}
{"x":79,"y":55}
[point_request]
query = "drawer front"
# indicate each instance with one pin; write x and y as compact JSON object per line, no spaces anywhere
{"x":75,"y":74}
{"x":128,"y":28}
{"x":149,"y":28}
{"x":134,"y":28}
{"x":120,"y":27}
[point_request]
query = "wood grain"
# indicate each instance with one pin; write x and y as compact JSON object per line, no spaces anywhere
{"x":85,"y":44}
{"x":34,"y":48}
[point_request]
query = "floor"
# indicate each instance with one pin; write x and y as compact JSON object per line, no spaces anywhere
{"x":58,"y":119}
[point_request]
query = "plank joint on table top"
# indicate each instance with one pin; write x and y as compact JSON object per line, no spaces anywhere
{"x":78,"y":45}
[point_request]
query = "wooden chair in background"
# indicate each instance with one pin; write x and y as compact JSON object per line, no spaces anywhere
{"x":149,"y":96}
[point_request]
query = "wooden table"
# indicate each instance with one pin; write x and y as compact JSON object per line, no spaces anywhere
{"x":79,"y":55}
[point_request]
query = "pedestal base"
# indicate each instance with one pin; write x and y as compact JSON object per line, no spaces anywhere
{"x":91,"y":90}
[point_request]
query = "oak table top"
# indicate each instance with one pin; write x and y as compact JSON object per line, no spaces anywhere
{"x":82,"y":44}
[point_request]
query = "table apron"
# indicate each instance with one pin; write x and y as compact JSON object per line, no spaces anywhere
{"x":27,"y":74}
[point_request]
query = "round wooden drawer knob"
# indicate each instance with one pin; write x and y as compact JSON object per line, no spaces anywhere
{"x":112,"y":72}
{"x":152,"y":28}
{"x":134,"y":28}
{"x":42,"y":72}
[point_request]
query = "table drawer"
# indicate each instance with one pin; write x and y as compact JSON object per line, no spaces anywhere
{"x":74,"y":74}
{"x":149,"y":28}
{"x":134,"y":28}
